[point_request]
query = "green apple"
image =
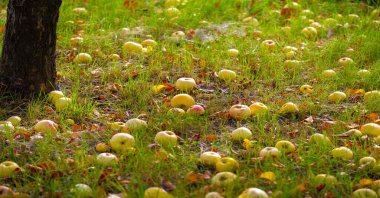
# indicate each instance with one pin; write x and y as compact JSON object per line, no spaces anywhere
{"x":82,"y":190}
{"x":319,"y":140}
{"x":251,"y":20}
{"x":353,"y":18}
{"x":289,"y":108}
{"x":227,"y":164}
{"x":363,"y":73}
{"x":345,"y":61}
{"x":258,"y":108}
{"x":195,"y":110}
{"x":227,"y":75}
{"x":270,"y":152}
{"x":306,"y":89}
{"x":83,"y":58}
{"x":253,"y":193}
{"x":107,"y":159}
{"x":337,"y":97}
{"x":288,"y":48}
{"x":285,"y":146}
{"x":239,"y":112}
{"x":330,"y":23}
{"x":290,"y":55}
{"x":329,"y":73}
{"x":185,"y":84}
{"x":7,"y":126}
{"x":286,"y":30}
{"x":135,"y":124}
{"x":62,"y":103}
{"x":224,"y":179}
{"x":364,"y":193}
{"x":213,"y":195}
{"x":268,"y":45}
{"x":122,"y":142}
{"x":354,"y":132}
{"x":292,"y":63}
{"x":149,"y":42}
{"x":371,"y":129}
{"x":241,"y":133}
{"x":53,"y":96}
{"x":328,"y":180}
{"x":182,"y":101}
{"x":343,"y":153}
{"x":173,"y":12}
{"x":15,"y":120}
{"x":316,"y":25}
{"x":156,"y":192}
{"x":7,"y":168}
{"x":372,"y":95}
{"x":367,"y":160}
{"x":178,"y":35}
{"x":46,"y":126}
{"x":176,"y":111}
{"x":309,"y":33}
{"x":233,"y":53}
{"x":210,"y":158}
{"x":166,"y":138}
{"x":115,"y":57}
{"x":132,"y":47}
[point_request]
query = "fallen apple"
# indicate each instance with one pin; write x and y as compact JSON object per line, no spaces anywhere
{"x":329,"y":73}
{"x":363,"y":73}
{"x":364,"y":193}
{"x":8,"y":168}
{"x":337,"y":97}
{"x":343,"y":153}
{"x":79,"y":11}
{"x":227,"y":164}
{"x":224,"y":179}
{"x":132,"y":47}
{"x":107,"y":159}
{"x":62,"y":103}
{"x":258,"y":108}
{"x":83,"y":58}
{"x":149,"y":42}
{"x":178,"y":35}
{"x":288,"y":48}
{"x":306,"y":89}
{"x":309,"y":33}
{"x":239,"y":112}
{"x":227,"y":75}
{"x":115,"y":57}
{"x":253,"y":193}
{"x":46,"y":126}
{"x":53,"y":96}
{"x":182,"y":101}
{"x":270,"y":152}
{"x":75,"y":41}
{"x":292,"y":63}
{"x":213,"y":195}
{"x":251,"y":20}
{"x":285,"y":146}
{"x":233,"y":53}
{"x":166,"y":138}
{"x":320,"y":140}
{"x":82,"y":190}
{"x":289,"y":108}
{"x":210,"y":158}
{"x":330,"y":23}
{"x":345,"y":61}
{"x":367,"y":161}
{"x":135,"y":124}
{"x":122,"y":142}
{"x":7,"y":126}
{"x":371,"y":95}
{"x":176,"y":111}
{"x":268,"y":45}
{"x":156,"y":192}
{"x":353,"y":18}
{"x":241,"y":133}
{"x":371,"y":129}
{"x":102,"y":147}
{"x":324,"y":179}
{"x":195,"y":110}
{"x":377,"y":140}
{"x":15,"y":120}
{"x":116,"y":126}
{"x":185,"y":84}
{"x":173,"y":12}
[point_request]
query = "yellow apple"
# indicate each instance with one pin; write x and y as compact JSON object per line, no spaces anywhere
{"x":83,"y":58}
{"x":135,"y":124}
{"x":115,"y":57}
{"x":149,"y":42}
{"x":371,"y":129}
{"x":227,"y":164}
{"x":102,"y":147}
{"x":7,"y":168}
{"x":253,"y":193}
{"x":15,"y":120}
{"x":258,"y":108}
{"x":227,"y":75}
{"x":241,"y":133}
{"x":210,"y":158}
{"x":367,"y":161}
{"x":62,"y":103}
{"x":330,"y":23}
{"x":224,"y":179}
{"x":53,"y":96}
{"x":306,"y":89}
{"x":309,"y":33}
{"x":172,"y":3}
{"x":185,"y":84}
{"x":286,"y":29}
{"x":269,"y":152}
{"x":233,"y":53}
{"x":107,"y":159}
{"x":239,"y":112}
{"x":122,"y":142}
{"x":289,"y":108}
{"x":325,"y":179}
{"x":116,"y":126}
{"x":337,"y":97}
{"x":132,"y":47}
{"x":364,"y":193}
{"x":285,"y":146}
{"x":329,"y":73}
{"x":46,"y":126}
{"x":316,"y":25}
{"x":343,"y":153}
{"x":345,"y":61}
{"x":182,"y":101}
{"x":353,"y":18}
{"x":166,"y":138}
{"x":156,"y":192}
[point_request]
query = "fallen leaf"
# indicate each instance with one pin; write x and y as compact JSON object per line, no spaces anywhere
{"x":157,"y":88}
{"x":268,"y":176}
{"x":211,"y":137}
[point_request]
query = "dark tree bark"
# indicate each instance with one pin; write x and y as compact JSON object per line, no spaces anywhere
{"x":28,"y":56}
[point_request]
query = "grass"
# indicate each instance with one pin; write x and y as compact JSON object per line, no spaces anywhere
{"x":107,"y":91}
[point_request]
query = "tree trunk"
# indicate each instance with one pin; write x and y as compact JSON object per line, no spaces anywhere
{"x":28,"y":57}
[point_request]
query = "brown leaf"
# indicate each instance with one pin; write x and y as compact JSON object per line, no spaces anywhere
{"x":192,"y":178}
{"x":130,"y":4}
{"x":134,"y":74}
{"x":168,"y":186}
{"x":321,"y":187}
{"x":372,"y":116}
{"x":77,"y":127}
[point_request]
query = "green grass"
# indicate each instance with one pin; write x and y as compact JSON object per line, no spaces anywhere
{"x":106,"y":91}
